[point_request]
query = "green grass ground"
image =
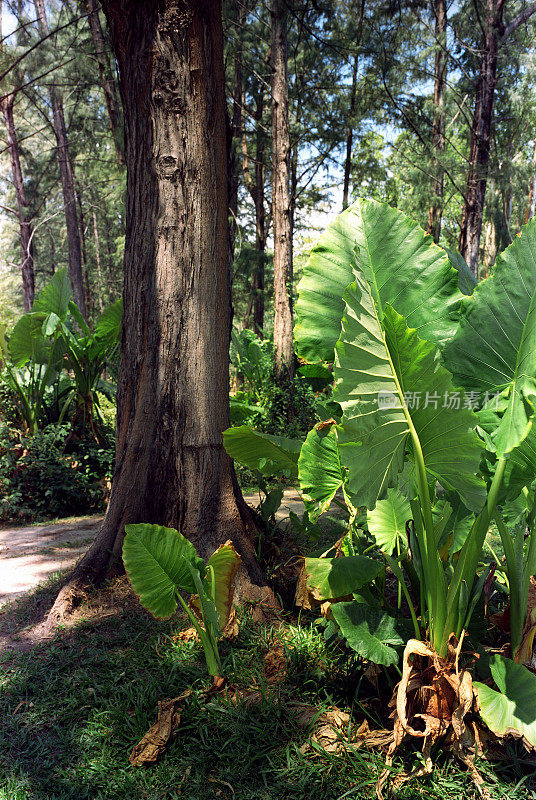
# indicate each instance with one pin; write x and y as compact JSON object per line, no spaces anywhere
{"x":72,"y":708}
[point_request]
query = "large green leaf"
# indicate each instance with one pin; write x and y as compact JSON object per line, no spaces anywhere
{"x":386,"y":379}
{"x":329,"y":578}
{"x":387,"y":522}
{"x":108,"y":325}
{"x":369,"y":632}
{"x":513,"y":708}
{"x":495,"y":345}
{"x":157,"y":562}
{"x":271,"y":455}
{"x":55,"y":296}
{"x":27,"y":342}
{"x":320,"y":470}
{"x":393,"y":255}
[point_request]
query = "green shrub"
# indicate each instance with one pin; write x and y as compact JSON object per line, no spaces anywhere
{"x":48,"y":475}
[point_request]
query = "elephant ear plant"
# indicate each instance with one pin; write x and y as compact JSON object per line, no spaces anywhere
{"x":160,"y":562}
{"x":434,"y":440}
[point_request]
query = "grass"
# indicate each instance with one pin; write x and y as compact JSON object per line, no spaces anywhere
{"x":72,"y":708}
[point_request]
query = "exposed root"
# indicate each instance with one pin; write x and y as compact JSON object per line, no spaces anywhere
{"x":433,"y":693}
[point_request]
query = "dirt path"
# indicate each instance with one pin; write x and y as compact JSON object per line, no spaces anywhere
{"x":30,"y":555}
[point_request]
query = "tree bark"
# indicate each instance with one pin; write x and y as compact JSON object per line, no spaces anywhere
{"x":479,"y":152}
{"x":350,"y":137}
{"x":25,"y":225}
{"x":173,"y":388}
{"x":531,"y":204}
{"x":96,"y":241}
{"x":85,"y":272}
{"x":283,"y":342}
{"x":435,"y":209}
{"x":236,"y":127}
{"x":67,"y":180}
{"x":107,"y":79}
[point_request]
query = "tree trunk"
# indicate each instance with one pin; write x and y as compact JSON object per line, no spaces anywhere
{"x":25,"y":225}
{"x":435,"y":209}
{"x":173,"y":388}
{"x":531,"y":205}
{"x":107,"y":79}
{"x":82,"y":228}
{"x":260,"y":220}
{"x":236,"y":127}
{"x":350,"y":137}
{"x":67,"y":180}
{"x":479,"y":153}
{"x":283,"y":343}
{"x":96,"y":241}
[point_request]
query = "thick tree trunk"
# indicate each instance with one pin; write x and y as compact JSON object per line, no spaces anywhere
{"x":67,"y":180}
{"x":435,"y":209}
{"x":479,"y":154}
{"x":173,"y":389}
{"x":107,"y":79}
{"x":25,"y":225}
{"x":283,"y":343}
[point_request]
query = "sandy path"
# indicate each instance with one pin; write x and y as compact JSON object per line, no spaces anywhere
{"x":30,"y":555}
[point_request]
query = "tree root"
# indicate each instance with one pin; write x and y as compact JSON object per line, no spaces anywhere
{"x":439,"y":696}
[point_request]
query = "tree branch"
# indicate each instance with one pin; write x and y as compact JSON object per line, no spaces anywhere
{"x":522,"y":17}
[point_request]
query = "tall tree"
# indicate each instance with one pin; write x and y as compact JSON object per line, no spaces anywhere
{"x":173,"y":388}
{"x":25,"y":224}
{"x":281,"y":214}
{"x":435,"y":209}
{"x":107,"y":79}
{"x":494,"y":34}
{"x":67,"y":178}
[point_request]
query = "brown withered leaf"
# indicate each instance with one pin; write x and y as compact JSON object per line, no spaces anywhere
{"x":150,"y":747}
{"x":326,"y":423}
{"x":187,"y":635}
{"x":275,"y":665}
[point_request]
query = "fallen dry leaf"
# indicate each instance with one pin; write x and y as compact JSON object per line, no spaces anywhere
{"x":275,"y":665}
{"x":154,"y":742}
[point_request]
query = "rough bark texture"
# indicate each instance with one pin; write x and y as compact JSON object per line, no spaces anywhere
{"x":435,"y":210}
{"x":255,"y":309}
{"x":27,"y":263}
{"x":173,"y":389}
{"x":283,"y":343}
{"x":107,"y":79}
{"x":471,"y":226}
{"x":67,"y":179}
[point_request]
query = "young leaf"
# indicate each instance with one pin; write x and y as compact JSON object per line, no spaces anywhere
{"x":329,"y":578}
{"x":157,"y":561}
{"x":513,"y":708}
{"x":320,"y":470}
{"x":387,"y":522}
{"x":55,"y":296}
{"x":271,"y":455}
{"x":225,"y":562}
{"x":393,"y":254}
{"x":369,"y":632}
